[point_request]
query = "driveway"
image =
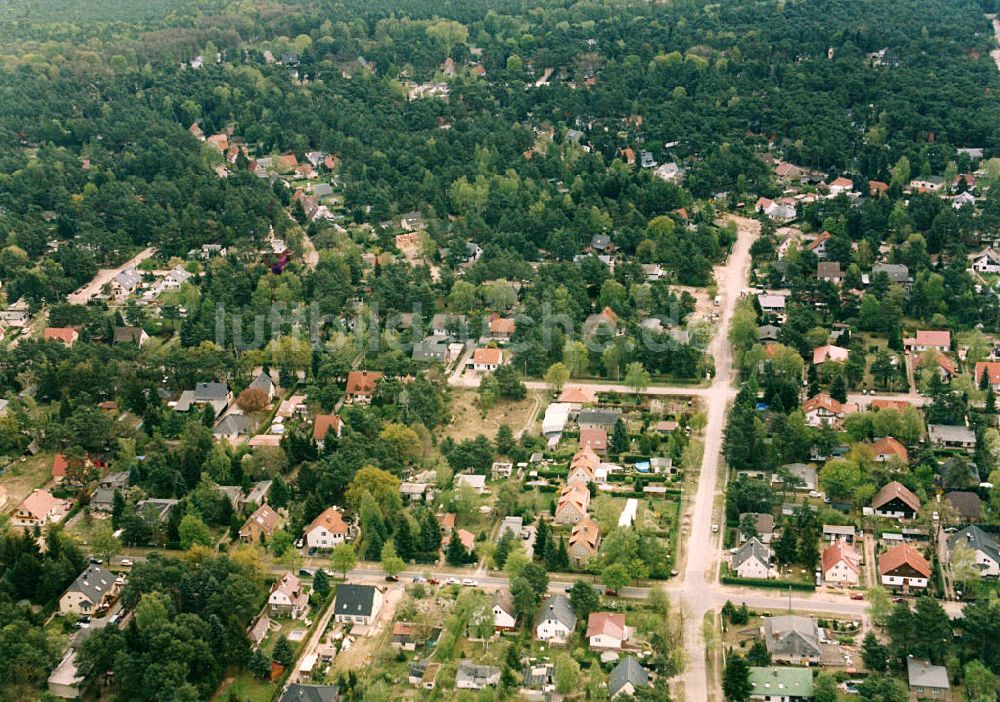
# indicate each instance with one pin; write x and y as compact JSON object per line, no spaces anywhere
{"x":104,"y":276}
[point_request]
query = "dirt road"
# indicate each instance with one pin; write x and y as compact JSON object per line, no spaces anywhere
{"x":104,"y":276}
{"x":996,"y":33}
{"x":702,"y":546}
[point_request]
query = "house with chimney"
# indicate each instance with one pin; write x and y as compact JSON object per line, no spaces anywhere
{"x":288,"y":598}
{"x":895,"y":501}
{"x":361,"y":386}
{"x":904,"y":568}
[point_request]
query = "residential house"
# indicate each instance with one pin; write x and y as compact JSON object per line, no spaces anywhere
{"x":895,"y":501}
{"x":486,"y":360}
{"x":357,"y":604}
{"x":476,"y":482}
{"x":176,"y":277}
{"x":829,"y":271}
{"x":262,"y":381}
{"x":232,"y":427}
{"x":896,"y":272}
{"x":597,"y":419}
{"x":949,"y":436}
{"x":822,"y":354}
{"x":361,"y":385}
{"x":260,"y":526}
{"x":584,"y":463}
{"x":512,"y":524}
{"x":412,"y":221}
{"x":985,"y":261}
{"x":64,"y":335}
{"x":93,"y":588}
{"x":130,"y":335}
{"x":626,"y":678}
{"x":504,"y":617}
{"x":823,"y":410}
{"x":792,"y":639}
{"x":577,"y":395}
{"x":431,"y":349}
{"x":763,"y":526}
{"x":992,"y":369}
{"x":416,"y":492}
{"x":835,"y":532}
{"x":573,"y":504}
{"x":841,"y":564}
{"x":584,"y":542}
{"x":669,"y":172}
{"x":297,"y":692}
{"x":215,"y":394}
{"x":17,"y":314}
{"x":781,"y":684}
{"x":502,"y":328}
{"x":39,"y":509}
{"x":930,"y":184}
{"x":449,"y":325}
{"x":323,"y":424}
{"x":294,"y":405}
{"x":840,"y":185}
{"x":404,"y":636}
{"x":501,"y":470}
{"x":803,"y":476}
{"x":556,"y":620}
{"x":926,"y":681}
{"x":606,"y":631}
{"x":887,"y":448}
{"x":124,"y":283}
{"x":287,"y":598}
{"x":327,"y":530}
{"x":752,"y":560}
{"x":594,"y":439}
{"x":903,"y":568}
{"x":768,"y":334}
{"x":65,"y":681}
{"x":471,"y":676}
{"x":537,"y":678}
{"x":968,"y":505}
{"x":446,"y":522}
{"x":819,"y":244}
{"x":926,"y":340}
{"x":984,"y":546}
{"x":772,"y":303}
{"x":102,"y":500}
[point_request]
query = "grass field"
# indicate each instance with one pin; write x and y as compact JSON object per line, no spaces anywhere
{"x":24,"y":476}
{"x":468,"y":422}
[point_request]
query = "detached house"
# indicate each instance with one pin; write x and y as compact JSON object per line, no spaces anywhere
{"x":841,"y":564}
{"x":260,"y":526}
{"x":39,"y":509}
{"x":324,"y":424}
{"x":926,"y":681}
{"x":556,"y":620}
{"x":889,"y":447}
{"x":949,"y":436}
{"x":361,"y":385}
{"x":823,"y":410}
{"x":574,"y":502}
{"x":215,"y":394}
{"x":895,"y":501}
{"x":792,"y":639}
{"x":822,"y":354}
{"x":287,"y":598}
{"x":504,"y":618}
{"x":64,"y":335}
{"x":986,"y":261}
{"x":926,"y":340}
{"x":902,"y":567}
{"x":584,"y":542}
{"x":627,"y":677}
{"x":486,"y":360}
{"x":983,"y":545}
{"x":607,"y":631}
{"x":357,"y":604}
{"x":992,"y":370}
{"x":752,"y":560}
{"x":327,"y":530}
{"x":91,"y":589}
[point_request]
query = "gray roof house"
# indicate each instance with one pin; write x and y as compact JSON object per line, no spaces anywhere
{"x":597,"y":418}
{"x":600,"y":242}
{"x":791,"y":638}
{"x":311,"y":693}
{"x":322,"y":190}
{"x":926,"y":680}
{"x":804,"y":472}
{"x":117,"y":480}
{"x":432,"y":348}
{"x":752,"y":560}
{"x":102,"y":500}
{"x":233,"y":426}
{"x":627,"y":677}
{"x":475,"y":677}
{"x":950,"y":436}
{"x":897,"y":272}
{"x":88,"y":591}
{"x":556,"y":620}
{"x":263,"y":382}
{"x":215,"y":394}
{"x":768,"y":333}
{"x":983,"y":545}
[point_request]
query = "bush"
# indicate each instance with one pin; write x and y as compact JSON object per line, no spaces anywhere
{"x":773,"y":584}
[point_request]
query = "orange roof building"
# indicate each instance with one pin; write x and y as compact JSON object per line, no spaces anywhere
{"x":361,"y":385}
{"x":888,"y":447}
{"x":324,"y":423}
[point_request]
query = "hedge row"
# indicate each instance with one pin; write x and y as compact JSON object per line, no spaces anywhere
{"x":774,"y":584}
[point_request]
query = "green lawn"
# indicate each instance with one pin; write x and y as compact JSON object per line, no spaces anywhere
{"x":249,"y":688}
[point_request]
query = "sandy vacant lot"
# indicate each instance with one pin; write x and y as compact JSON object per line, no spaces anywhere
{"x":23,"y":477}
{"x":468,"y":422}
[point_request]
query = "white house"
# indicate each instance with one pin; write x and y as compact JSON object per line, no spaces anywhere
{"x":556,"y":620}
{"x":327,"y":530}
{"x":983,"y":546}
{"x":903,"y":568}
{"x":89,"y":591}
{"x":503,"y":610}
{"x":607,"y":631}
{"x":986,"y":261}
{"x":486,"y":360}
{"x":287,"y":598}
{"x":752,"y":560}
{"x":357,"y":604}
{"x":841,"y":564}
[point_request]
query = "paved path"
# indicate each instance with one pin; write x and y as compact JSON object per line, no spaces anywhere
{"x":104,"y":276}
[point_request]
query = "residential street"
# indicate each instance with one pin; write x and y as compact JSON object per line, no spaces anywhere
{"x":104,"y":276}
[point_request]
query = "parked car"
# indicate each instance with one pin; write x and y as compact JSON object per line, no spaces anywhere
{"x":433,"y":581}
{"x":453,"y":581}
{"x":82,"y":623}
{"x":305,"y":573}
{"x":469,"y":582}
{"x":392,"y":578}
{"x":857,"y":596}
{"x":126,"y":562}
{"x":611,"y":593}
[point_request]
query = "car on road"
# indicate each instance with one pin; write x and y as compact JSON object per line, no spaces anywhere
{"x":433,"y":581}
{"x":452,"y":581}
{"x":419,"y":579}
{"x":469,"y":582}
{"x":392,"y":578}
{"x":305,"y":573}
{"x":115,"y":618}
{"x":715,"y":528}
{"x":857,"y":596}
{"x":82,"y":623}
{"x":127,"y":562}
{"x":610,"y":593}
{"x":96,"y":561}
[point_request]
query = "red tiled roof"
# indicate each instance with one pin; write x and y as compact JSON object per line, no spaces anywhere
{"x":59,"y":466}
{"x":992,"y":368}
{"x":889,"y":445}
{"x":841,"y":551}
{"x":67,"y":335}
{"x":586,"y":533}
{"x":596,"y":439}
{"x":362,"y":382}
{"x":578,"y":395}
{"x":324,"y":423}
{"x":331,"y":519}
{"x":904,"y":554}
{"x":822,"y":401}
{"x":606,"y":623}
{"x":893,"y":490}
{"x":487,"y":357}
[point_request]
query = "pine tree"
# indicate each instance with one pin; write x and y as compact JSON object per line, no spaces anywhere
{"x":456,"y":554}
{"x":838,"y":388}
{"x":280,"y":494}
{"x":321,"y":583}
{"x":208,"y":416}
{"x":403,"y":538}
{"x":991,"y":400}
{"x":117,"y":509}
{"x":874,"y":653}
{"x":259,"y":666}
{"x":430,"y":534}
{"x":562,"y":555}
{"x":502,"y":550}
{"x":619,"y":438}
{"x":736,"y":683}
{"x":542,"y":537}
{"x":282,"y":652}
